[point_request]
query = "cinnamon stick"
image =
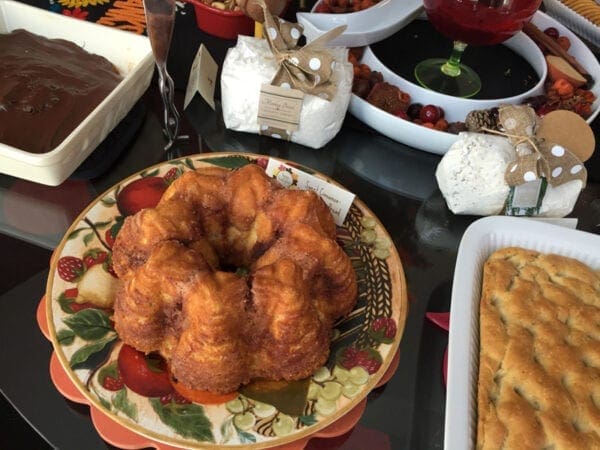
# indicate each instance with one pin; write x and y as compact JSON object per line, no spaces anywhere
{"x":553,"y":47}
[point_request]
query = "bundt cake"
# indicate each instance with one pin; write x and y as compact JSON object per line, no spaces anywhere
{"x":232,"y":278}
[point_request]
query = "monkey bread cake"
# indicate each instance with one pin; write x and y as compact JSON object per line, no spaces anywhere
{"x":232,"y":278}
{"x":539,"y":363}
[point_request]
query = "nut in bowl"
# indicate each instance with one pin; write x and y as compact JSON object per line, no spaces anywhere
{"x":229,"y":18}
{"x":222,"y":19}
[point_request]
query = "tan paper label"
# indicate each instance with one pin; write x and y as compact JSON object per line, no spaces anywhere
{"x":203,"y":78}
{"x":279,"y":107}
{"x":337,"y":199}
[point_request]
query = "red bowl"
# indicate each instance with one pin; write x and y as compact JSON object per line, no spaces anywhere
{"x":221,"y":23}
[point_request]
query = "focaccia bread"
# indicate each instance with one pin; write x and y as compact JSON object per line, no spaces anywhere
{"x":539,"y":360}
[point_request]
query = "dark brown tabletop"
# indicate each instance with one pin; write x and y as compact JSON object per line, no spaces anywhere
{"x":396,"y":182}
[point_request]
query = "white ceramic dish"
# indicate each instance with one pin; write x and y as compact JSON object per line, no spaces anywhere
{"x":363,"y":27}
{"x":479,"y":241}
{"x":579,"y":50}
{"x":132,"y":56}
{"x":455,"y":108}
{"x":577,"y":23}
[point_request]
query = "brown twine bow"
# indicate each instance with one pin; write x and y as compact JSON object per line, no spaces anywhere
{"x":541,"y":158}
{"x":307,"y":68}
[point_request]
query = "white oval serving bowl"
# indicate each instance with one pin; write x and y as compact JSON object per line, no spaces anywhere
{"x":363,"y":27}
{"x":456,"y":108}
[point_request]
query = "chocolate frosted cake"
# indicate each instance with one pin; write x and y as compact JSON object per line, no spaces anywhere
{"x":47,"y":88}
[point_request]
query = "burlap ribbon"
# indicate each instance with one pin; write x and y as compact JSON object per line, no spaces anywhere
{"x":536,"y":157}
{"x":307,"y":68}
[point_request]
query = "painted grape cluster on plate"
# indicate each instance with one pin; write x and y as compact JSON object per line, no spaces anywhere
{"x":136,"y":390}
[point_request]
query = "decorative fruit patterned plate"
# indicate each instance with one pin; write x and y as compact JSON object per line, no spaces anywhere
{"x":133,"y":389}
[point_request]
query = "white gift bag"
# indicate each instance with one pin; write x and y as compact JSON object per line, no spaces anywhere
{"x":251,"y":63}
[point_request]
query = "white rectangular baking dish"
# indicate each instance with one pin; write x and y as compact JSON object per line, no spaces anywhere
{"x":480,"y":240}
{"x":130,"y":53}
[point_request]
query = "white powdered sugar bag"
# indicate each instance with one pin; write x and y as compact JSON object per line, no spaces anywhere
{"x":560,"y":200}
{"x":471,"y":178}
{"x":250,"y":64}
{"x":471,"y":174}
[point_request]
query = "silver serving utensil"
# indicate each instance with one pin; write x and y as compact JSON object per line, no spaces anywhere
{"x":160,"y":18}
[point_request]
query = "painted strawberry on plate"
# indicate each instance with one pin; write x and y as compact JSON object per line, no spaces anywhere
{"x":367,"y":358}
{"x":383,"y":329}
{"x":70,"y":268}
{"x":94,"y":256}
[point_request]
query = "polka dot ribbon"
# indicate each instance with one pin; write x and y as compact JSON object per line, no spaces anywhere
{"x":275,"y":132}
{"x":536,"y":157}
{"x":307,"y":68}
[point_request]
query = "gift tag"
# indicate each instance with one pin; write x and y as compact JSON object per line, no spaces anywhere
{"x":569,"y":130}
{"x":337,"y":199}
{"x":202,"y":79}
{"x":526,"y":199}
{"x":279,"y":107}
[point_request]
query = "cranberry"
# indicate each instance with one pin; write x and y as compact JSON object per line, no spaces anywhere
{"x":323,"y":8}
{"x":431,"y":113}
{"x":552,"y":32}
{"x":401,"y":114}
{"x":441,"y":125}
{"x":414,"y":110}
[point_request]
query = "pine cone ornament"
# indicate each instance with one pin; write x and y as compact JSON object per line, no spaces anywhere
{"x":482,"y":118}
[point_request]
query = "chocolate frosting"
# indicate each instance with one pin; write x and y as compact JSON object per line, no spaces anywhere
{"x":47,"y":88}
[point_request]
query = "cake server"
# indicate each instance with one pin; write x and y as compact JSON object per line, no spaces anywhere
{"x":160,"y":19}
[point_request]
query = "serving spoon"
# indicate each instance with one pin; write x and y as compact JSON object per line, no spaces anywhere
{"x":160,"y":19}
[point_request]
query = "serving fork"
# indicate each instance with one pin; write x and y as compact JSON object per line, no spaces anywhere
{"x":160,"y":19}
